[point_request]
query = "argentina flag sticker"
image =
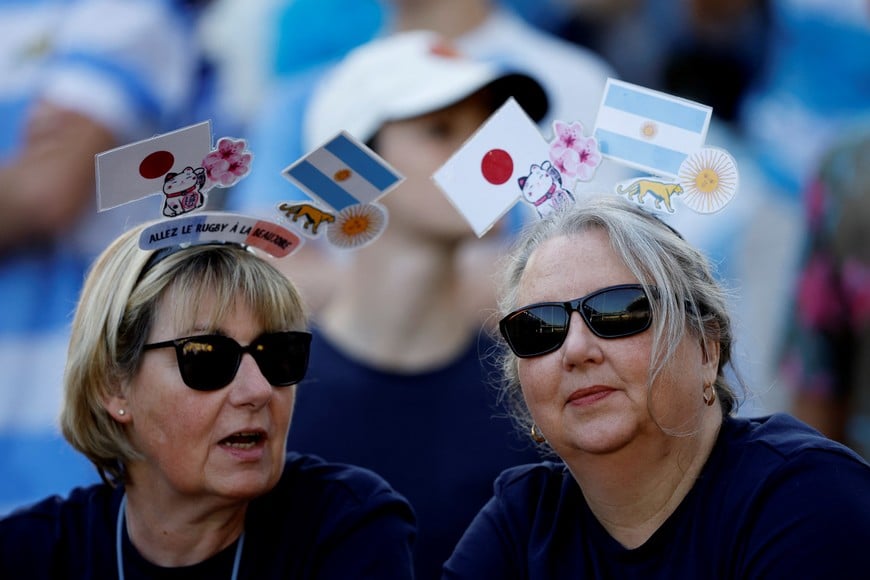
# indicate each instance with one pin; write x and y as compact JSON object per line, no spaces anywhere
{"x":343,"y":172}
{"x":649,"y":130}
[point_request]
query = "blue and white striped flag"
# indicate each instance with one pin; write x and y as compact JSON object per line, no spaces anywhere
{"x":343,"y":172}
{"x":649,"y":130}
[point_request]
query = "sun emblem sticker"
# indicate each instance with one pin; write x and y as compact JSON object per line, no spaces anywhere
{"x":709,"y":179}
{"x":357,"y":225}
{"x":649,"y":130}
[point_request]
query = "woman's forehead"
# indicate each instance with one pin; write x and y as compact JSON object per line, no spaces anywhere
{"x":194,"y":308}
{"x":565,"y":267}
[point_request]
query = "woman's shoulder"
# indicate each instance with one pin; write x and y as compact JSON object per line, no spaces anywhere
{"x":781,"y":438}
{"x":56,"y":530}
{"x":784,"y":468}
{"x":776,"y":486}
{"x":74,"y":507}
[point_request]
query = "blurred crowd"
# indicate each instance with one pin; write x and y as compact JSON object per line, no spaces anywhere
{"x":789,"y":81}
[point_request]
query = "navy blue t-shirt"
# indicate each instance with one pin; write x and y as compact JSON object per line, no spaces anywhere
{"x":774,"y":500}
{"x":439,"y":438}
{"x":322,"y":520}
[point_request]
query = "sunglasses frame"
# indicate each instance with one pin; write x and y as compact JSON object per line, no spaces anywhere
{"x":300,"y":338}
{"x":570,"y":306}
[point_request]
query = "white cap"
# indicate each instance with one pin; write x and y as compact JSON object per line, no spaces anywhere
{"x":406,"y":75}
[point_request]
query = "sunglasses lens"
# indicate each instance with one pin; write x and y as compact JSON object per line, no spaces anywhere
{"x":610,"y":313}
{"x":617,"y":312}
{"x":536,"y":330}
{"x":282,"y":357}
{"x":208,"y":363}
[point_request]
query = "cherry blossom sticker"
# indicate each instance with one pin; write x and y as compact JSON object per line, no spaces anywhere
{"x":228,"y":163}
{"x":574,"y":155}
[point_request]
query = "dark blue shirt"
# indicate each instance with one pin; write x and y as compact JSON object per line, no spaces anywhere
{"x":438,"y":437}
{"x":322,"y":520}
{"x":774,"y":500}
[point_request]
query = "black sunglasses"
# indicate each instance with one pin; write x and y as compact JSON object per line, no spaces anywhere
{"x":210,"y":362}
{"x":611,"y":312}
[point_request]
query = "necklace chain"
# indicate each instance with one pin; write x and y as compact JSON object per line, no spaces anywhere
{"x":120,"y":553}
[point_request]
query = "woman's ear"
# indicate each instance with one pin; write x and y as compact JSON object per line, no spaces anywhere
{"x":117,"y":407}
{"x":710,"y":359}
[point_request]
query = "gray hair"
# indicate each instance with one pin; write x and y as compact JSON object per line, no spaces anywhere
{"x":688,"y":297}
{"x":115,"y":313}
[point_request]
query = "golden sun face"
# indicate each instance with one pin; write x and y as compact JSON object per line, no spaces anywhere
{"x":709,"y":179}
{"x":649,"y":130}
{"x":357,"y":225}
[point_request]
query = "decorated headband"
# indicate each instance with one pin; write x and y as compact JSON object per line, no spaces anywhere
{"x":183,"y":167}
{"x":507,"y":159}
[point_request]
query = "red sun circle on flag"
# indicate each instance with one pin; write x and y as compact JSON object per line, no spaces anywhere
{"x":497,"y":166}
{"x":156,"y":164}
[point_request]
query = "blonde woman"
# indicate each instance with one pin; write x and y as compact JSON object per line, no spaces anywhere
{"x":180,"y":385}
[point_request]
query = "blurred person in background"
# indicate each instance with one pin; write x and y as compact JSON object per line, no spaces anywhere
{"x":400,"y":378}
{"x":812,"y":89}
{"x":826,"y":351}
{"x":814,"y":85}
{"x":750,"y":239}
{"x":573,"y":77}
{"x":79,"y":78}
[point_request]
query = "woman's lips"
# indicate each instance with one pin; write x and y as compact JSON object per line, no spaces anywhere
{"x":247,"y":446}
{"x":244,"y":439}
{"x":588,"y":395}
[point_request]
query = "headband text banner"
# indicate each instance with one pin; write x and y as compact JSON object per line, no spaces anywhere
{"x":207,"y":227}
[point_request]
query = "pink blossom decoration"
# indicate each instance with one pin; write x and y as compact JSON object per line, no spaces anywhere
{"x":573,"y":154}
{"x":227,"y":164}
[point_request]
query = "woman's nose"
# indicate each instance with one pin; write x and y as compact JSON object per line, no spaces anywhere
{"x":250,"y":387}
{"x":581,"y":345}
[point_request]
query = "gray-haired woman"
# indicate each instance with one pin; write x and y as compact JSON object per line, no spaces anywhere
{"x":618,"y":336}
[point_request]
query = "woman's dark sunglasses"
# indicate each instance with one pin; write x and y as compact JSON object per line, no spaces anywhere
{"x":210,"y":362}
{"x":611,"y":312}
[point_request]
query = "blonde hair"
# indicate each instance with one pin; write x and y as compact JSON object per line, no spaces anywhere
{"x":114,"y":315}
{"x":688,"y":297}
